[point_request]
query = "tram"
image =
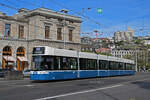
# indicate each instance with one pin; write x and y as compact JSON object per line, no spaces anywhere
{"x":59,"y":64}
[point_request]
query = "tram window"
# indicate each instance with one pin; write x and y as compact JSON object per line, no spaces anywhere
{"x":48,"y":63}
{"x":68,"y":63}
{"x":133,"y":67}
{"x":125,"y":68}
{"x":116,"y":66}
{"x":83,"y":64}
{"x":113,"y":65}
{"x":120,"y":66}
{"x":37,"y":60}
{"x":55,"y":63}
{"x":128,"y":67}
{"x":92,"y":64}
{"x":110,"y":65}
{"x":103,"y":65}
{"x":73,"y":63}
{"x":88,"y":64}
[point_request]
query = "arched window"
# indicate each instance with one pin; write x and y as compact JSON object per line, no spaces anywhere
{"x":21,"y":52}
{"x":7,"y":51}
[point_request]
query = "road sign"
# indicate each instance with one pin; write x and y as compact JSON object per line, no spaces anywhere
{"x":99,"y":10}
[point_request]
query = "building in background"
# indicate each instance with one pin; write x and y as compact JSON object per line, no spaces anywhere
{"x":39,"y":27}
{"x":122,"y":52}
{"x":124,"y":35}
{"x":96,"y":45}
{"x":86,"y":44}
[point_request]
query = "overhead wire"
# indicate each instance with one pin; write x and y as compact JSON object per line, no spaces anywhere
{"x":38,"y":6}
{"x":8,"y":6}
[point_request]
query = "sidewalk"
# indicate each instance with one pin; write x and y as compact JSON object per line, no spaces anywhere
{"x":3,"y":79}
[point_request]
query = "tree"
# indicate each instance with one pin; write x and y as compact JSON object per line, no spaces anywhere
{"x":128,"y":57}
{"x":119,"y":43}
{"x":138,"y":41}
{"x":105,"y":53}
{"x":148,"y":66}
{"x":148,"y":45}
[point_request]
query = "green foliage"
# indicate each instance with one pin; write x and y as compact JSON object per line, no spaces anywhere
{"x":120,"y":43}
{"x":138,"y":41}
{"x":148,"y":65}
{"x":148,"y":46}
{"x":105,"y":53}
{"x":128,"y":57}
{"x":87,"y":51}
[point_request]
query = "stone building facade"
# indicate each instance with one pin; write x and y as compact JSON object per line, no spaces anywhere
{"x":39,"y":27}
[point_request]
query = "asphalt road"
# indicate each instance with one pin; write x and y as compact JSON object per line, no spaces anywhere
{"x":135,"y":87}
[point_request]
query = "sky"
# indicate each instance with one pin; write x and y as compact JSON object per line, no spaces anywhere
{"x":117,"y":15}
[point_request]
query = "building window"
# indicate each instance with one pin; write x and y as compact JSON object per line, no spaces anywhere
{"x":21,"y":52}
{"x":47,"y":31}
{"x":59,"y":34}
{"x":7,"y":51}
{"x":70,"y":22}
{"x":21,"y":31}
{"x":70,"y":35}
{"x":7,"y":30}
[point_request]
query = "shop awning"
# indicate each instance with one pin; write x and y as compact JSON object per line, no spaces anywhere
{"x":9,"y":58}
{"x":22,"y":58}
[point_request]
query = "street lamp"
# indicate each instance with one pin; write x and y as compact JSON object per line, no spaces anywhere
{"x":95,"y":31}
{"x":8,"y":55}
{"x":65,"y":11}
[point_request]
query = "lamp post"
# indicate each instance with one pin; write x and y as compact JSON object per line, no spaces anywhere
{"x":136,"y":59}
{"x":65,"y":11}
{"x":95,"y":31}
{"x":7,"y":55}
{"x":0,"y":58}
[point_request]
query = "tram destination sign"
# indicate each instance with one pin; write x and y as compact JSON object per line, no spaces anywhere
{"x":38,"y":50}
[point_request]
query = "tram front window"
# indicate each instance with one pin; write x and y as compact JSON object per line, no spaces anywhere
{"x":37,"y":62}
{"x":43,"y":62}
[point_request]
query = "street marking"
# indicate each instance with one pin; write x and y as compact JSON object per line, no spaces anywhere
{"x":29,"y":85}
{"x":92,"y":90}
{"x":135,"y":81}
{"x":74,"y":93}
{"x":132,"y":99}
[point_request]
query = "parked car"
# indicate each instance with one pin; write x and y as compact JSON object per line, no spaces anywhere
{"x":26,"y":73}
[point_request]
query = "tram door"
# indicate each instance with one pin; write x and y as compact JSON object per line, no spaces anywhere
{"x":22,"y":62}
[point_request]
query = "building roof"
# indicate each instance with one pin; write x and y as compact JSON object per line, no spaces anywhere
{"x":51,"y":13}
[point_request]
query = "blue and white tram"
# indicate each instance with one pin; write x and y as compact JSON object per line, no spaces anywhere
{"x":59,"y":64}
